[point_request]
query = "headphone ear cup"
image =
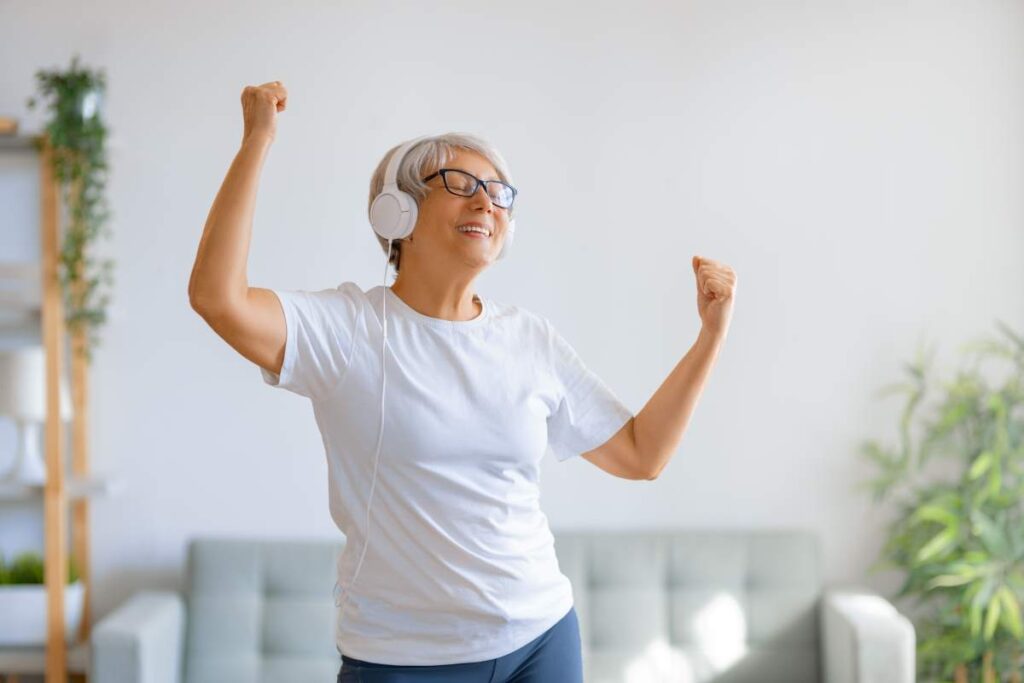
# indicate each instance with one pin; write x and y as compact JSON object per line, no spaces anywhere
{"x":509,"y":236}
{"x":393,"y":214}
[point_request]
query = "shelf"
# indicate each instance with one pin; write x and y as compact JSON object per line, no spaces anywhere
{"x":18,"y":142}
{"x":32,"y":660}
{"x":89,"y":487}
{"x":21,"y":315}
{"x":27,"y":325}
{"x":19,"y":287}
{"x":23,"y":296}
{"x":25,"y":142}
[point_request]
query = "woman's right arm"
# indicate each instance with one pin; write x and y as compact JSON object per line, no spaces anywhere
{"x":250,"y":319}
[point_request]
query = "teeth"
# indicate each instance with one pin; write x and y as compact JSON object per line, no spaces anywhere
{"x":472,"y":228}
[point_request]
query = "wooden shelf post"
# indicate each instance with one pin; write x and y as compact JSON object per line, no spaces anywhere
{"x":54,"y":501}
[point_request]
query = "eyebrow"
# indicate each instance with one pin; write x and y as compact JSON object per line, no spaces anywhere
{"x":473,"y":174}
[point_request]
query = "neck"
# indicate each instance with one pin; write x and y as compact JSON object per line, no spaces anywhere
{"x":438,"y":297}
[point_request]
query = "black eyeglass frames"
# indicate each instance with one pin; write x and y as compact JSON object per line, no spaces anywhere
{"x":465,"y":184}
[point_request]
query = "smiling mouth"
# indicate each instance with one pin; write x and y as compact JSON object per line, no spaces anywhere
{"x":475,"y":233}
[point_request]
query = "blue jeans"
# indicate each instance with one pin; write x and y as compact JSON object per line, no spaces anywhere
{"x":552,"y":657}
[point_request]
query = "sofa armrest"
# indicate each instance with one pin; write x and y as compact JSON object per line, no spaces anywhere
{"x":141,"y":641}
{"x":865,"y":639}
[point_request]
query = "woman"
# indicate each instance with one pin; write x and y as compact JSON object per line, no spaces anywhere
{"x":449,"y":571}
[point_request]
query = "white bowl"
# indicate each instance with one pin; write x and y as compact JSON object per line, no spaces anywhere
{"x":23,"y":613}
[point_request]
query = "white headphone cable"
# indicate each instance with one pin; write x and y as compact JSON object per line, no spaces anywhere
{"x":380,"y":433}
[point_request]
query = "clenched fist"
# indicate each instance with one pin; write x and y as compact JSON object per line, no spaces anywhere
{"x":260,"y":105}
{"x":716,"y":291}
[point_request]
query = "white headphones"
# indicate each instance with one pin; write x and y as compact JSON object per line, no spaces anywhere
{"x":392,"y":215}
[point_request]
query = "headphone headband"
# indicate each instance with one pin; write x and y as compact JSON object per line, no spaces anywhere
{"x":391,"y":173}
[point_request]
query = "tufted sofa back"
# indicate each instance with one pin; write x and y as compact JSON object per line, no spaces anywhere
{"x":695,"y":606}
{"x":672,"y":606}
{"x":260,"y":610}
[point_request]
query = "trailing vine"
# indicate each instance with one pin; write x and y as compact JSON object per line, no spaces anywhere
{"x":77,"y":137}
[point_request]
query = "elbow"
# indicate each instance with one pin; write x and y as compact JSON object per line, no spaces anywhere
{"x":641,"y":459}
{"x":205,"y":302}
{"x":193,"y":297}
{"x":647,"y":474}
{"x":200,"y":304}
{"x":201,"y":294}
{"x":652,"y":467}
{"x":195,"y":302}
{"x":212,"y":300}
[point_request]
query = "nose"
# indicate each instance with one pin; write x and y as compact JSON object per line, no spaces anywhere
{"x":482,"y":191}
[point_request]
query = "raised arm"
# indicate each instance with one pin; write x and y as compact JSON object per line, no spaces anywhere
{"x":250,"y":319}
{"x":660,"y":424}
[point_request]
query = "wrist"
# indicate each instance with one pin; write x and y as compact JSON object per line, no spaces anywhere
{"x":262,"y":140}
{"x":711,"y":337}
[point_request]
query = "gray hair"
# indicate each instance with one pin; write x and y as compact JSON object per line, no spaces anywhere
{"x":421,"y":160}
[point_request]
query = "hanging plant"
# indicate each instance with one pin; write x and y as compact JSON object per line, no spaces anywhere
{"x":959,"y":536}
{"x":77,"y":137}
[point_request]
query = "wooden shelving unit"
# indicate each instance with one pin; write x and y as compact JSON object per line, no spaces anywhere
{"x":31,"y":297}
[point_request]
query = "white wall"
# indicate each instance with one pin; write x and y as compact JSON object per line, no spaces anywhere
{"x":858,"y":164}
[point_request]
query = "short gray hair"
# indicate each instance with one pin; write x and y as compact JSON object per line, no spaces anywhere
{"x":425,"y":157}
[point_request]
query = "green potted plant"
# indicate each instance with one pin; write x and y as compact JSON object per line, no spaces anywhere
{"x":959,"y":532}
{"x":77,"y":136}
{"x":23,"y":601}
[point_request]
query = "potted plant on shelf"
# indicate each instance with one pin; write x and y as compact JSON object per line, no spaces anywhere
{"x":23,"y":601}
{"x":77,"y":136}
{"x":959,"y":533}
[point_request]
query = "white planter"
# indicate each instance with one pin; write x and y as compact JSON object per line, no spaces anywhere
{"x":23,"y":613}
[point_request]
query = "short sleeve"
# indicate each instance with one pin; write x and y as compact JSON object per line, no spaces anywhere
{"x":321,"y":327}
{"x":588,"y":413}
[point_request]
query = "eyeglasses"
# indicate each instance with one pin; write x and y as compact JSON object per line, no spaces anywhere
{"x":465,"y":185}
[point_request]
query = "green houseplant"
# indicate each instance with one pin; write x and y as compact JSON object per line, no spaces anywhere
{"x":959,"y":532}
{"x":23,"y":601}
{"x":77,"y":136}
{"x":27,"y":568}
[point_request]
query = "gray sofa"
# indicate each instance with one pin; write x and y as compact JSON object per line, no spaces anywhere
{"x":679,"y":606}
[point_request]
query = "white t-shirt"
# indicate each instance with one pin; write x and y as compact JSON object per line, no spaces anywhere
{"x":461,"y":564}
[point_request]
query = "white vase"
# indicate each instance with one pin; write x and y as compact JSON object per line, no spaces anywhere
{"x":28,"y":467}
{"x":23,"y":613}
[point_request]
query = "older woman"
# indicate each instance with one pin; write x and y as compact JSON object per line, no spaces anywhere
{"x":449,"y":570}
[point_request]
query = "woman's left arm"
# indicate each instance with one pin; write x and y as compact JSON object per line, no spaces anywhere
{"x":658,"y":428}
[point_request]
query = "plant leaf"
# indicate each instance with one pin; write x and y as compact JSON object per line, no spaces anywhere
{"x":990,"y":534}
{"x":980,"y":465}
{"x":1011,"y":612}
{"x":992,"y":616}
{"x":934,"y":513}
{"x":995,"y":479}
{"x":980,"y":597}
{"x":948,"y":580}
{"x":975,"y":620}
{"x":938,"y":544}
